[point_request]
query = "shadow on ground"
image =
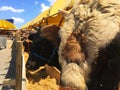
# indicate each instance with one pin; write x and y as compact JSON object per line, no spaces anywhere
{"x":11,"y":70}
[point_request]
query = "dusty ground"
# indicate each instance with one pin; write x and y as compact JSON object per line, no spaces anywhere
{"x":6,"y":65}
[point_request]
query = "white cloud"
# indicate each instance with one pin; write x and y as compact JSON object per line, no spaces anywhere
{"x":36,"y":2}
{"x":44,"y":7}
{"x":18,"y":20}
{"x":51,"y":1}
{"x":8,"y":8}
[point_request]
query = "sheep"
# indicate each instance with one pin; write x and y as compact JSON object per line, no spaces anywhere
{"x":90,"y":26}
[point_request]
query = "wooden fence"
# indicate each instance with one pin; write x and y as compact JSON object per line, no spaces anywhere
{"x":20,"y":80}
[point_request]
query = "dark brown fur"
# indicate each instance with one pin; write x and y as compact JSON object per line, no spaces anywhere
{"x":75,"y":48}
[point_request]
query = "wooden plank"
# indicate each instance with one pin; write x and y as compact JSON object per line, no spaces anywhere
{"x":18,"y":65}
{"x":17,"y":37}
{"x":24,"y":80}
{"x":9,"y":82}
{"x":53,"y":72}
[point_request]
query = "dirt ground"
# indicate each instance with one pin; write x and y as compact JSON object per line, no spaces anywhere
{"x":7,"y":63}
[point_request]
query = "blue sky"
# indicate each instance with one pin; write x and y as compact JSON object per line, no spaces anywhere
{"x":23,"y":11}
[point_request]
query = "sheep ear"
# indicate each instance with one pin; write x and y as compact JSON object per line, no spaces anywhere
{"x":63,"y":12}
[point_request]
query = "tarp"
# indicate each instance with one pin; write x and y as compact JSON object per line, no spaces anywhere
{"x":61,"y":4}
{"x":27,"y":25}
{"x":36,"y":20}
{"x":51,"y":16}
{"x":55,"y":19}
{"x":40,"y":17}
{"x":6,"y":25}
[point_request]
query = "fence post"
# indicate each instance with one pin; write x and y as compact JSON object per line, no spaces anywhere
{"x":19,"y":65}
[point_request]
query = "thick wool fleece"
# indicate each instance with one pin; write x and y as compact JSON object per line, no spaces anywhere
{"x":99,"y":22}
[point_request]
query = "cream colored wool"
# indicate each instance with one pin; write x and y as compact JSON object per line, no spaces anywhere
{"x":99,"y":20}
